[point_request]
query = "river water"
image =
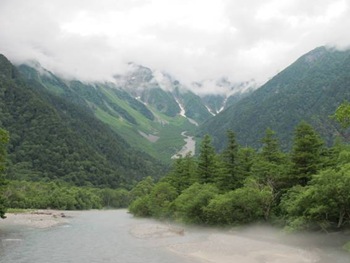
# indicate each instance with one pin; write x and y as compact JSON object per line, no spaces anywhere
{"x":190,"y":146}
{"x":115,"y":236}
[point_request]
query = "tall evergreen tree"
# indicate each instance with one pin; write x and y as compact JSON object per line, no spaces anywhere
{"x":230,"y":178}
{"x":207,"y":164}
{"x":270,"y":166}
{"x":183,"y":172}
{"x":271,"y":150}
{"x":306,"y":153}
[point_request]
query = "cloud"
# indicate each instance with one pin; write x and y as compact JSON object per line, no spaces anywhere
{"x":193,"y":40}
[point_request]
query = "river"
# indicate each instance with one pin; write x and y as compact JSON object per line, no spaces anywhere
{"x":115,"y":236}
{"x":190,"y":146}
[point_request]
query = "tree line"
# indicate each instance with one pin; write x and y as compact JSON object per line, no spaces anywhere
{"x":305,"y":188}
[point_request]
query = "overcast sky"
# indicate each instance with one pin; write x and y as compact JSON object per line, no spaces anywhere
{"x":193,"y":40}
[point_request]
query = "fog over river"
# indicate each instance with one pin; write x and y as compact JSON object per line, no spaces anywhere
{"x":116,"y":236}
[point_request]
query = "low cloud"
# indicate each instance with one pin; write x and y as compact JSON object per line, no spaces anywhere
{"x":192,"y":40}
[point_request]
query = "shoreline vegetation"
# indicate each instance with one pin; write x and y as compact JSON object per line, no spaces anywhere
{"x":306,"y":188}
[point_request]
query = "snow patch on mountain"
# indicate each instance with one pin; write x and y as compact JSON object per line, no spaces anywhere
{"x":182,"y":109}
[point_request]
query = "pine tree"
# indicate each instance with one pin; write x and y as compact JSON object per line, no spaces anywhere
{"x":230,"y":178}
{"x":270,"y":150}
{"x":269,"y":166}
{"x":207,"y":164}
{"x":306,"y":153}
{"x":183,"y":173}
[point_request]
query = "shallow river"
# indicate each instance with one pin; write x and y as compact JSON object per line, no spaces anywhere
{"x":115,"y":236}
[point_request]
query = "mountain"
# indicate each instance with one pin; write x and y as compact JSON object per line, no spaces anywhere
{"x":226,"y":95}
{"x":148,"y":108}
{"x":162,"y":92}
{"x":310,"y":89}
{"x":144,"y":125}
{"x":52,"y":138}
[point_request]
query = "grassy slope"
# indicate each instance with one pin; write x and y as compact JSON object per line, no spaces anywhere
{"x":99,"y":100}
{"x":168,"y":129}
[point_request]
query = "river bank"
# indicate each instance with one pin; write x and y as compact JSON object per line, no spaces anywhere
{"x":256,"y":244}
{"x":37,"y":218}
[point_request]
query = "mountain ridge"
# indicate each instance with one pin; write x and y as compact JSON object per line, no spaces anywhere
{"x":309,"y":89}
{"x":54,"y":139}
{"x":149,"y":109}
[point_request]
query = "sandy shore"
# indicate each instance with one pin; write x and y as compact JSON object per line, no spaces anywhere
{"x":226,"y":247}
{"x":156,"y":230}
{"x":37,"y":218}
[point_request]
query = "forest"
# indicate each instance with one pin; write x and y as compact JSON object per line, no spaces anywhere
{"x":51,"y":138}
{"x":305,"y":188}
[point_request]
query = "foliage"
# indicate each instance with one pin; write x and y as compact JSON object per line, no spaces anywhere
{"x":190,"y":205}
{"x":207,"y":164}
{"x":140,"y":207}
{"x":54,"y":138}
{"x":142,"y":188}
{"x":183,"y":173}
{"x":342,"y":114}
{"x":230,"y":176}
{"x":160,"y":200}
{"x":4,"y":138}
{"x":241,"y":206}
{"x":55,"y":195}
{"x":307,"y":188}
{"x":310,"y":89}
{"x":325,"y":202}
{"x":306,"y":153}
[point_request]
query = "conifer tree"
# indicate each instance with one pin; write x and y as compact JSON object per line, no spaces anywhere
{"x":270,"y":150}
{"x":207,"y":164}
{"x":306,"y":153}
{"x":270,"y":166}
{"x":183,"y":172}
{"x":230,"y":178}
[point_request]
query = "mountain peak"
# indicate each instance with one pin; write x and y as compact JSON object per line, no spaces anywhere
{"x":314,"y":55}
{"x":6,"y":68}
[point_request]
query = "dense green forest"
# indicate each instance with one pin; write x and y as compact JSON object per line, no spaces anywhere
{"x":306,"y":188}
{"x":52,"y":138}
{"x":121,"y":109}
{"x":55,"y":194}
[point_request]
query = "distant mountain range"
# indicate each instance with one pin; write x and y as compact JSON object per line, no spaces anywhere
{"x":149,"y":109}
{"x":115,"y":133}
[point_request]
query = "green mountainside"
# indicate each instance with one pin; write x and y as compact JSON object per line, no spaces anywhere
{"x":150,"y":123}
{"x":52,"y":138}
{"x":310,"y":89}
{"x":148,"y":108}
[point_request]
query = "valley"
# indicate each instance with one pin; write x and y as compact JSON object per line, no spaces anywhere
{"x":188,"y":148}
{"x":174,"y":131}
